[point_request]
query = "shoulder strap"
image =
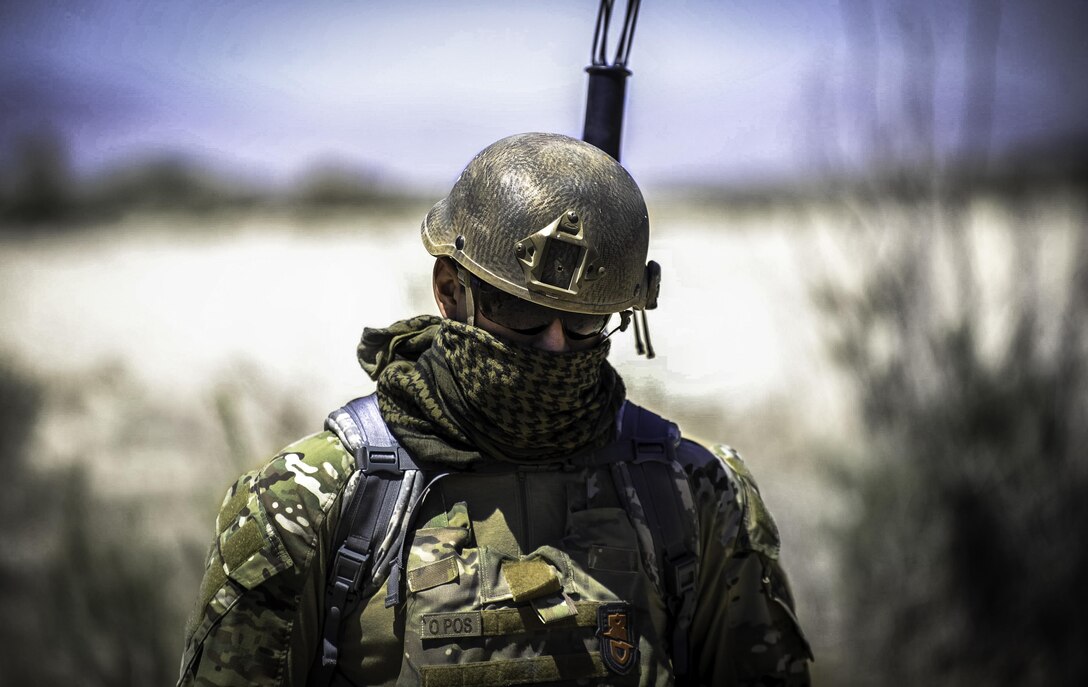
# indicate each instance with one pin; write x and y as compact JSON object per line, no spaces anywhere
{"x":656,"y":491}
{"x":383,"y":489}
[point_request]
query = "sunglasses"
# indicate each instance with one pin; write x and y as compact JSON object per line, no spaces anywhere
{"x":528,"y":318}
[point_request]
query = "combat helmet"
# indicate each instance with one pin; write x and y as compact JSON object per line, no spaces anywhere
{"x":552,"y":220}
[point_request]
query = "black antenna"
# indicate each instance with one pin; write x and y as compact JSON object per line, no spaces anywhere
{"x":608,"y":82}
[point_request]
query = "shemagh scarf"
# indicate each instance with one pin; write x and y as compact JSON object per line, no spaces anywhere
{"x":454,"y":394}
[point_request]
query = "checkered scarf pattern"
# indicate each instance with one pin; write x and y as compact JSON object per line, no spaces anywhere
{"x":454,"y":394}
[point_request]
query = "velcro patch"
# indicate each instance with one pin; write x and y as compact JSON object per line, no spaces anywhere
{"x":531,"y":578}
{"x":432,"y":574}
{"x":444,"y":625}
{"x":242,"y":543}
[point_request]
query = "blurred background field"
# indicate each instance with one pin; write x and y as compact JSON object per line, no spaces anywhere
{"x":880,"y":302}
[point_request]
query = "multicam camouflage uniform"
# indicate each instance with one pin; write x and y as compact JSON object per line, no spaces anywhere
{"x":532,"y":572}
{"x":506,"y":581}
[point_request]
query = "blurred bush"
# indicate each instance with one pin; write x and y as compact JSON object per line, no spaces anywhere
{"x":84,"y":602}
{"x":108,"y":505}
{"x":964,"y":335}
{"x":965,"y":558}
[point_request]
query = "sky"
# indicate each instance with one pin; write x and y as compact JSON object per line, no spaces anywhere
{"x":726,"y":91}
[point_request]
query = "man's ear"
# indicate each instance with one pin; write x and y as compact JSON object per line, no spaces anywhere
{"x":447,"y":289}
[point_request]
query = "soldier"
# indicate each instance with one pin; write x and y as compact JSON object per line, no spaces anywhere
{"x":498,"y":512}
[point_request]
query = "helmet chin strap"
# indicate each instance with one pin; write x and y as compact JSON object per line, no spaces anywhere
{"x":470,"y":299}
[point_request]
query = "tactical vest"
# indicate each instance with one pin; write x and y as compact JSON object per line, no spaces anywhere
{"x":580,"y":571}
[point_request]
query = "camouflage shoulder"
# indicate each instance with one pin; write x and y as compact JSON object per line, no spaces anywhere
{"x":720,"y":476}
{"x":271,"y":517}
{"x":759,"y":525}
{"x":266,"y":533}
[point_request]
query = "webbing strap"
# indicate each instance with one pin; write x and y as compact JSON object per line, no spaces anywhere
{"x":365,"y":519}
{"x":499,"y":673}
{"x":652,"y":473}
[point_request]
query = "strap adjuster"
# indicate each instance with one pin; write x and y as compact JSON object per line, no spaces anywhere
{"x":391,"y":459}
{"x":347,"y":569}
{"x":649,"y":451}
{"x":680,"y":575}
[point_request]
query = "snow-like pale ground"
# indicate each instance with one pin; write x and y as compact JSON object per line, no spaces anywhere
{"x":178,"y":304}
{"x":180,"y":300}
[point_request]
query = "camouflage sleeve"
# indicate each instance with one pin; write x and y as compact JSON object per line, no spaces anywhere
{"x":744,"y":631}
{"x":257,"y":620}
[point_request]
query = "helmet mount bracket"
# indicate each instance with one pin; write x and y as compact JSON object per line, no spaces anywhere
{"x":557,"y":260}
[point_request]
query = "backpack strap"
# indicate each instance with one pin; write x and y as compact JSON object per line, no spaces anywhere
{"x":376,"y":506}
{"x":656,"y":492}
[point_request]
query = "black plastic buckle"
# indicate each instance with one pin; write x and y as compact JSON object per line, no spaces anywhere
{"x":680,"y":575}
{"x":391,"y":459}
{"x":650,"y":451}
{"x":351,"y":563}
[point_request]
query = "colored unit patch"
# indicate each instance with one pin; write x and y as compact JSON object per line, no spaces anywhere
{"x":444,"y":625}
{"x":616,"y":631}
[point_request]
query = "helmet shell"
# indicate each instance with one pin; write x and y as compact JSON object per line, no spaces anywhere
{"x":550,"y":219}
